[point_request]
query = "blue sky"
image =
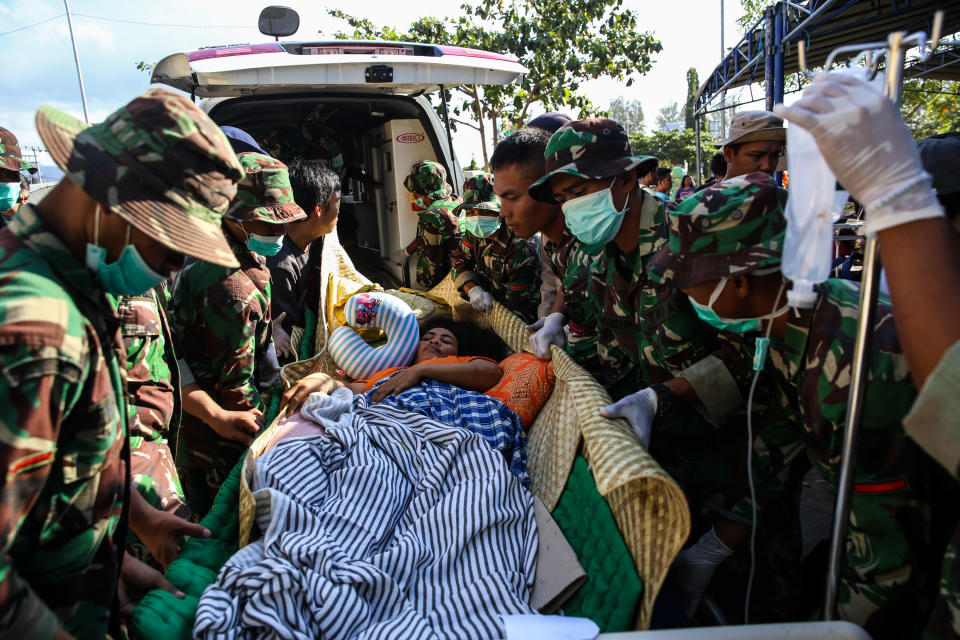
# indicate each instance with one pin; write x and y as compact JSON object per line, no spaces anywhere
{"x":39,"y":67}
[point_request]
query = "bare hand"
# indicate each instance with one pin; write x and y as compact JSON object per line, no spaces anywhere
{"x":136,"y":579}
{"x":163,"y":533}
{"x":294,"y":397}
{"x":397,"y":383}
{"x":239,"y":426}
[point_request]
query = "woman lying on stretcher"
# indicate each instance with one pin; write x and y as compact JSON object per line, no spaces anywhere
{"x":446,"y":382}
{"x":438,"y":358}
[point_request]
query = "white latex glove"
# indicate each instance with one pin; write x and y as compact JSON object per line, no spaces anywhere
{"x":281,"y":338}
{"x":399,"y":256}
{"x":864,"y":140}
{"x":693,"y":568}
{"x":548,"y":330}
{"x":480,"y":299}
{"x":639,"y":410}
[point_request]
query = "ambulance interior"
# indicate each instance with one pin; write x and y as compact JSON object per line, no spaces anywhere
{"x":371,"y":142}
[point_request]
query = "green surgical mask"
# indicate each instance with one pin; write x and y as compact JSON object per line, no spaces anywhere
{"x":736,"y":325}
{"x":263,"y":245}
{"x":481,"y":226}
{"x":9,"y":194}
{"x":128,"y":276}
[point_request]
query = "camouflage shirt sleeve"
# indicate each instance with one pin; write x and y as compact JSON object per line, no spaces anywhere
{"x":39,"y":387}
{"x":463,"y":262}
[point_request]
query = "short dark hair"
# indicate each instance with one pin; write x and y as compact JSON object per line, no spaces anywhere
{"x":718,"y":166}
{"x":524,"y":147}
{"x":312,"y":183}
{"x":662,"y":173}
{"x":471,"y":339}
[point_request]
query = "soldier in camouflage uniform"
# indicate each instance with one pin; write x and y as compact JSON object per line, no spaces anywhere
{"x":221,"y":318}
{"x":153,"y":383}
{"x":11,"y":164}
{"x":141,"y":189}
{"x":886,"y":580}
{"x":646,"y":336}
{"x":438,"y":234}
{"x":491,"y":259}
{"x":517,"y":163}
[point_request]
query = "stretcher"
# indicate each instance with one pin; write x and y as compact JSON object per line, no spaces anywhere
{"x":622,"y":512}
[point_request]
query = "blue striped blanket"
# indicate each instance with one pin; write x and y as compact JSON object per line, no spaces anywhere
{"x":391,"y":525}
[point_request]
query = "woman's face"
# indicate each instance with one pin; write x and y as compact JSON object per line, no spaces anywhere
{"x":436,"y":343}
{"x":687,"y":182}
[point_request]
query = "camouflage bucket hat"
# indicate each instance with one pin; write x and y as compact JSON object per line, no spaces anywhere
{"x":478,"y":194}
{"x":264,"y":194}
{"x":593,"y":149}
{"x":732,"y":228}
{"x":10,"y":156}
{"x":159,"y":162}
{"x":428,"y":179}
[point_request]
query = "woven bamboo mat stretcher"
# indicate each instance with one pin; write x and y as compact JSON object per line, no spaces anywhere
{"x":648,"y":506}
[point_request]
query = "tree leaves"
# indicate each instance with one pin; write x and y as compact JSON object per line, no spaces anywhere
{"x":561,"y":42}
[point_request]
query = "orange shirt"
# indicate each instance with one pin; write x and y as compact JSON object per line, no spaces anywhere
{"x":380,"y":375}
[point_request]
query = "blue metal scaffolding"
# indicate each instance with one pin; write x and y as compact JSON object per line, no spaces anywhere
{"x":769,"y":46}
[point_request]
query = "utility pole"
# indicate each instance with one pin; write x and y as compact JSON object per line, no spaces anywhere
{"x":76,"y":58}
{"x":723,"y":95}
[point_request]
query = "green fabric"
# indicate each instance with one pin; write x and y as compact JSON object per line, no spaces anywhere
{"x":162,"y":615}
{"x":612,"y":591}
{"x":309,"y":335}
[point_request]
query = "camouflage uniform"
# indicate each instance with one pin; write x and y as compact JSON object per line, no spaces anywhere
{"x":644,"y":333}
{"x":438,"y":234}
{"x":221,"y":318}
{"x":65,"y":450}
{"x":506,"y":266}
{"x":153,"y":383}
{"x":64,"y":454}
{"x":885,"y":580}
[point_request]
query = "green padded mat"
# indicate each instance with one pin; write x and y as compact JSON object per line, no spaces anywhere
{"x":612,"y":591}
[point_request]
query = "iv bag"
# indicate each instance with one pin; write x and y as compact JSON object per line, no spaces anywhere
{"x":813,"y":205}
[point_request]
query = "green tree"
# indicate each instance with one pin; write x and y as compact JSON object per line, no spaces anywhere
{"x":689,"y":109}
{"x":629,"y":113}
{"x":668,"y":115}
{"x":674,"y":148}
{"x":562,"y":43}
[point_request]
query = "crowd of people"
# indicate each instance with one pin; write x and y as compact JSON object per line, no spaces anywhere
{"x":147,"y":302}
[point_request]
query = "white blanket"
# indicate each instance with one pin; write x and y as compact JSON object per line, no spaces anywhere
{"x":392,"y":525}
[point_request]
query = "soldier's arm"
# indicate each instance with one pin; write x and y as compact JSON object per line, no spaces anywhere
{"x":522,"y":278}
{"x":234,"y":331}
{"x":463,"y":265}
{"x":926,"y":308}
{"x":38,"y":388}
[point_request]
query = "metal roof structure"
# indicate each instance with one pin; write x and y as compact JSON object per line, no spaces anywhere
{"x":767,"y":52}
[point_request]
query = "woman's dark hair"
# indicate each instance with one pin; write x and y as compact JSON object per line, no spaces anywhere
{"x":312,"y":183}
{"x":684,"y":179}
{"x":471,"y":339}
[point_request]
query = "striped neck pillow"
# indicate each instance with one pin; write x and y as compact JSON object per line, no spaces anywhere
{"x":391,"y":315}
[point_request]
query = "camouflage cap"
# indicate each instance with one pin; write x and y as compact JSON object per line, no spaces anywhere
{"x":10,"y":156}
{"x":754,"y":126}
{"x":159,"y":162}
{"x":733,"y":227}
{"x":264,"y":194}
{"x":428,"y":179}
{"x":593,"y":149}
{"x":478,"y":194}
